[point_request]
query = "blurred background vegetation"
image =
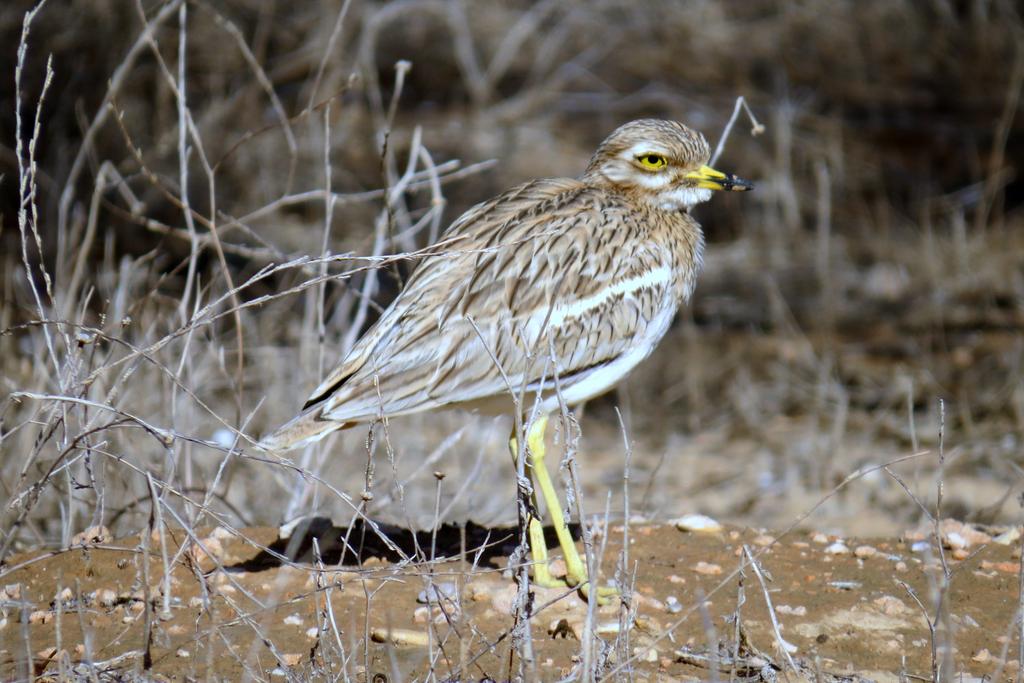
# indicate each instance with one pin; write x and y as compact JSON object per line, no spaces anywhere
{"x":868,"y":296}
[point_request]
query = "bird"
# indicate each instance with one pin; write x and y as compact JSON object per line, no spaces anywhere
{"x":539,"y":299}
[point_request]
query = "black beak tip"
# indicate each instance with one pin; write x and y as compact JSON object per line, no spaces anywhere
{"x":735,"y":184}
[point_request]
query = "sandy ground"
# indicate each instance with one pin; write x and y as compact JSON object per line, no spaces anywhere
{"x":845,"y":608}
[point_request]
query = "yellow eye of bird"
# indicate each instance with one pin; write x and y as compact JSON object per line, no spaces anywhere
{"x":652,"y":162}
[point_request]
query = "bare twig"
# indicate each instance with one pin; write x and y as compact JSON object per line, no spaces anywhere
{"x":756,"y":127}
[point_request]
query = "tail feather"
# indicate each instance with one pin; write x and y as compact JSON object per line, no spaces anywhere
{"x":303,"y":430}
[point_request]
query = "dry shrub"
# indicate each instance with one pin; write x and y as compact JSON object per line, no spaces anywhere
{"x":874,"y":271}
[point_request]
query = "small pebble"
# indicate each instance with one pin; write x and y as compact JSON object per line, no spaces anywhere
{"x":1005,"y":567}
{"x":798,"y":611}
{"x":788,"y":646}
{"x":423,"y":614}
{"x":1008,"y":537}
{"x":820,"y":538}
{"x":646,"y":654}
{"x":981,"y":656}
{"x":183,"y":653}
{"x":764,"y":540}
{"x":865,"y":551}
{"x":920,"y":546}
{"x":572,"y":603}
{"x":47,"y":653}
{"x":293,"y":620}
{"x":891,"y":605}
{"x":312,"y":632}
{"x":291,"y":659}
{"x":399,"y":637}
{"x":672,"y":605}
{"x":93,"y":535}
{"x":106,"y":597}
{"x":901,"y":566}
{"x":963,"y":532}
{"x":40,"y":616}
{"x":207,"y":555}
{"x":697,"y":523}
{"x":838,"y":548}
{"x":968,"y":620}
{"x":960,"y":554}
{"x":653,"y":603}
{"x":707,"y":568}
{"x":478,"y":592}
{"x":447,"y":591}
{"x":675,"y":578}
{"x":955,"y":540}
{"x":845,"y":585}
{"x":503,"y":600}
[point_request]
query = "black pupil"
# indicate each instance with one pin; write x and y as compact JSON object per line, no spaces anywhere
{"x":653,"y":160}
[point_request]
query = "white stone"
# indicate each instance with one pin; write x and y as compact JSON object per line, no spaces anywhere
{"x":697,"y":523}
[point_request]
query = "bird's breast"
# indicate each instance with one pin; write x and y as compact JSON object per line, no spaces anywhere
{"x":683,"y":241}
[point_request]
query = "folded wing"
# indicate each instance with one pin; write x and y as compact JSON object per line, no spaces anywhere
{"x":526,"y":299}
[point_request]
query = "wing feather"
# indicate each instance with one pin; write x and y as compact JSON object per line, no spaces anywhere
{"x":524,"y":287}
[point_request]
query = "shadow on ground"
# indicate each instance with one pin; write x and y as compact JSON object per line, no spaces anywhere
{"x":352,"y":546}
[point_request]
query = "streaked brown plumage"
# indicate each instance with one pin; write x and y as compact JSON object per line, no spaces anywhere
{"x":557,"y":285}
{"x":549,"y":293}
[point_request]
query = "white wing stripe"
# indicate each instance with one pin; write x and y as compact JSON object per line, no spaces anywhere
{"x":553,"y":318}
{"x":657,"y":277}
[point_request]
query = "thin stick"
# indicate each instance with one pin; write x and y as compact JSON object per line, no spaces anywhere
{"x":784,"y":647}
{"x":183,"y":165}
{"x":116,"y":81}
{"x":682,"y":618}
{"x":328,"y":51}
{"x":756,"y":129}
{"x":26,"y":177}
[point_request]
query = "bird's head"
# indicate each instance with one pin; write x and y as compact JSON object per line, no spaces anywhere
{"x":662,"y":162}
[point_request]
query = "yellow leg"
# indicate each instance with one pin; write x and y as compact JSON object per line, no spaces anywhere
{"x":538,"y":547}
{"x":576,"y":568}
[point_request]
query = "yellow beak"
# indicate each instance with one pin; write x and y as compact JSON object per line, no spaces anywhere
{"x":710,"y":179}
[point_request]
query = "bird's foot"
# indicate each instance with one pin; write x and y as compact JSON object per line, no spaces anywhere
{"x":605,"y":595}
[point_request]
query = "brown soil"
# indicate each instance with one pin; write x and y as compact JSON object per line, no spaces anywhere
{"x":849,"y":611}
